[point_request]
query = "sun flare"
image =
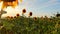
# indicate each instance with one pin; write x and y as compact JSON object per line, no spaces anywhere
{"x":11,"y":9}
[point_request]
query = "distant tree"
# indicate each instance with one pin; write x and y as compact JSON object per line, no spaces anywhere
{"x":58,"y":14}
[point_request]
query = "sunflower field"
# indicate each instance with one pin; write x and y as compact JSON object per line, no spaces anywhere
{"x":24,"y":25}
{"x":30,"y":25}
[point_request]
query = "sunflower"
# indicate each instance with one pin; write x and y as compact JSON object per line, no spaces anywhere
{"x":42,"y":18}
{"x":17,"y":15}
{"x":11,"y":17}
{"x":14,"y":16}
{"x":30,"y":14}
{"x":24,"y":11}
{"x":8,"y":17}
{"x":8,"y":0}
{"x":35,"y":18}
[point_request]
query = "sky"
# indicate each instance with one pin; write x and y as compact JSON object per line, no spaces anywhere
{"x":37,"y":7}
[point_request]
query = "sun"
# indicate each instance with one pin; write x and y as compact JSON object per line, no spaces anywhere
{"x":10,"y":10}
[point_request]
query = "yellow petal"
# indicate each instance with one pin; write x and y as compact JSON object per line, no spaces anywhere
{"x":20,"y":0}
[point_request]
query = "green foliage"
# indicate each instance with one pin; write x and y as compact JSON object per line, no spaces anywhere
{"x":23,"y":25}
